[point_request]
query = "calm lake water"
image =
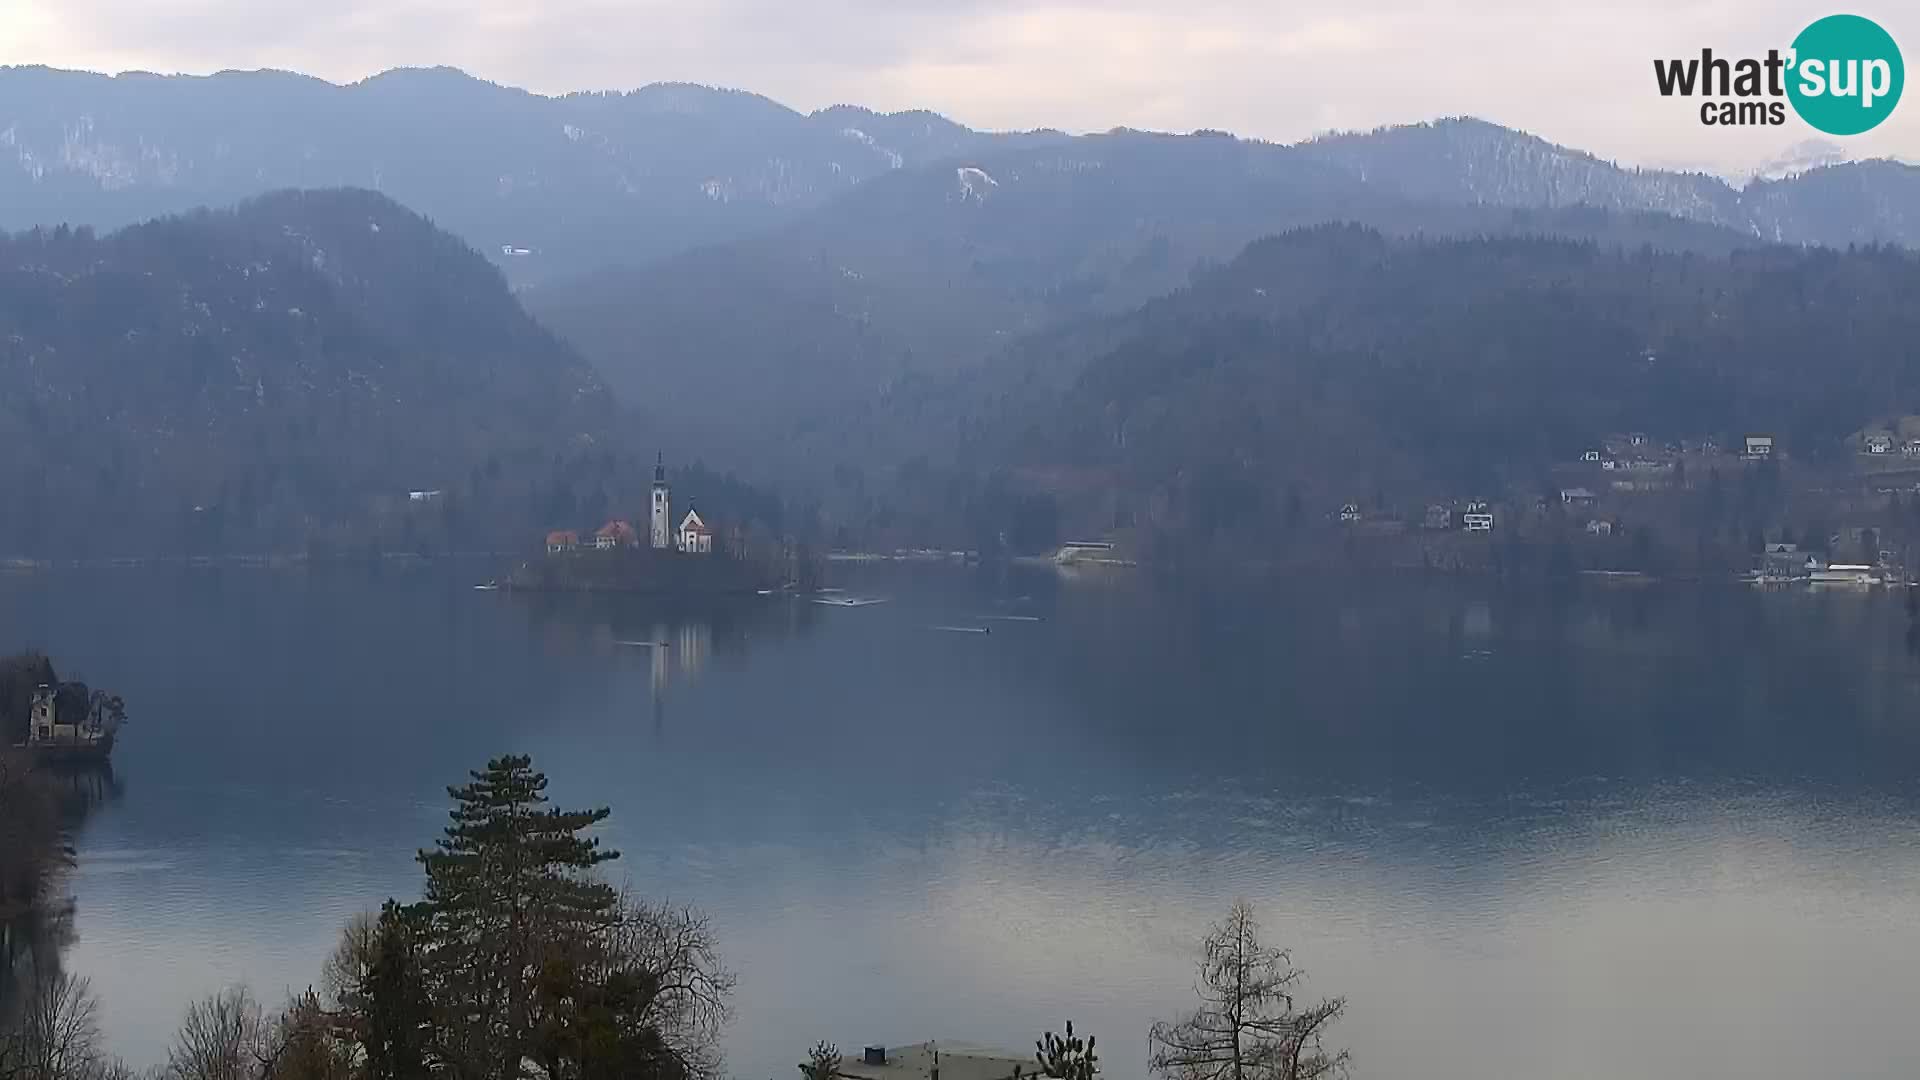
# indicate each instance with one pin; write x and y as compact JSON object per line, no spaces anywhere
{"x":1660,"y":832}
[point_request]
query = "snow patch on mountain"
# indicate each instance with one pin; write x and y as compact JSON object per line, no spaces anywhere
{"x":1801,"y":157}
{"x":974,"y":182}
{"x":894,"y":158}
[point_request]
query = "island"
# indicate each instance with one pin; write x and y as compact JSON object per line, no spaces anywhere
{"x":692,"y":557}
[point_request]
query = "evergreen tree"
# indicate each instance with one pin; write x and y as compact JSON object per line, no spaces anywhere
{"x":509,"y":892}
{"x":1067,"y":1058}
{"x":385,"y":1000}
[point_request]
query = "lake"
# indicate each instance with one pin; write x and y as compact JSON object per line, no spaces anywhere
{"x":1664,"y":831}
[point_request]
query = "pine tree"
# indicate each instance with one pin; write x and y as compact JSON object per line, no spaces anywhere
{"x":509,"y":892}
{"x":1068,"y":1058}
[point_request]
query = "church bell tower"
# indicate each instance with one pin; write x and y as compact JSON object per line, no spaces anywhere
{"x":661,"y":532}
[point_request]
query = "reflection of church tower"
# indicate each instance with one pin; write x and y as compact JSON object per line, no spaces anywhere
{"x":661,"y":535}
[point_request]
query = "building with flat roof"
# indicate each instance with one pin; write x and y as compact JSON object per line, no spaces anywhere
{"x":930,"y":1061}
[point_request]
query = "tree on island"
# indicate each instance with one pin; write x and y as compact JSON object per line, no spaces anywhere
{"x":1249,"y":1025}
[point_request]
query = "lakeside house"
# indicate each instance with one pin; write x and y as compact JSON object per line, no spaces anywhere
{"x":1877,"y":442}
{"x":562,"y":540}
{"x":1578,"y":496}
{"x":1599,"y":527}
{"x":1782,"y":561}
{"x":54,"y":733}
{"x":1439,"y":517}
{"x":1349,"y":511}
{"x":930,"y":1061}
{"x":1759,"y":447}
{"x":1478,"y":518}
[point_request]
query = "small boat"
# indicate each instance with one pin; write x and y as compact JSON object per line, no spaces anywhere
{"x":646,"y":644}
{"x":849,"y":601}
{"x":1013,"y":618}
{"x":963,"y":629}
{"x":489,"y":586}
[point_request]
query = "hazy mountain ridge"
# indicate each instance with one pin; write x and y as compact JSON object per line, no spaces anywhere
{"x":1468,"y":160}
{"x":572,"y":182}
{"x":549,"y":186}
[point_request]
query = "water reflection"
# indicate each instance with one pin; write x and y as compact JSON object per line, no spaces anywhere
{"x":35,"y":938}
{"x":1682,"y":813}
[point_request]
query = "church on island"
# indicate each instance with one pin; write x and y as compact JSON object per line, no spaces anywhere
{"x":692,"y":536}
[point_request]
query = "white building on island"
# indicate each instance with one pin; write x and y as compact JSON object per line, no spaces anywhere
{"x":695,"y":538}
{"x":659,"y":532}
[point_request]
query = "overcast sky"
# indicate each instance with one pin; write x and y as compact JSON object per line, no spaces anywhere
{"x":1575,"y":71}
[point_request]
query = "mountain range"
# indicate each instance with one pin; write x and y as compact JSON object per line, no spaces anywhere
{"x":839,"y":303}
{"x":584,"y":180}
{"x":544,"y":185}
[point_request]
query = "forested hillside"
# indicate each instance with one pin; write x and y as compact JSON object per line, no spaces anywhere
{"x":248,"y":378}
{"x":1336,"y":362}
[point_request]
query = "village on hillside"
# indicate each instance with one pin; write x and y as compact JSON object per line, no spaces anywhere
{"x":1631,"y":504}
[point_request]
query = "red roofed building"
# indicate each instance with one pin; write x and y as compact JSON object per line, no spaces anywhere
{"x":615,"y":534}
{"x":560,"y":540}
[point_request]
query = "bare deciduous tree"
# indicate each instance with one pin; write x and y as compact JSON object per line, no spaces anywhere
{"x":1248,"y":1026}
{"x":676,"y":947}
{"x":222,"y":1038}
{"x":305,"y":1042}
{"x":344,"y":975}
{"x":56,"y":1035}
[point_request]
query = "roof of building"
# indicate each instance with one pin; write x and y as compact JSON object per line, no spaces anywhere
{"x":563,"y":536}
{"x":957,"y":1062}
{"x":692,"y":523}
{"x":615,"y":528}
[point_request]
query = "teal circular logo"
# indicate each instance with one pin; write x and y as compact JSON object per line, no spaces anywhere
{"x":1846,"y":74}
